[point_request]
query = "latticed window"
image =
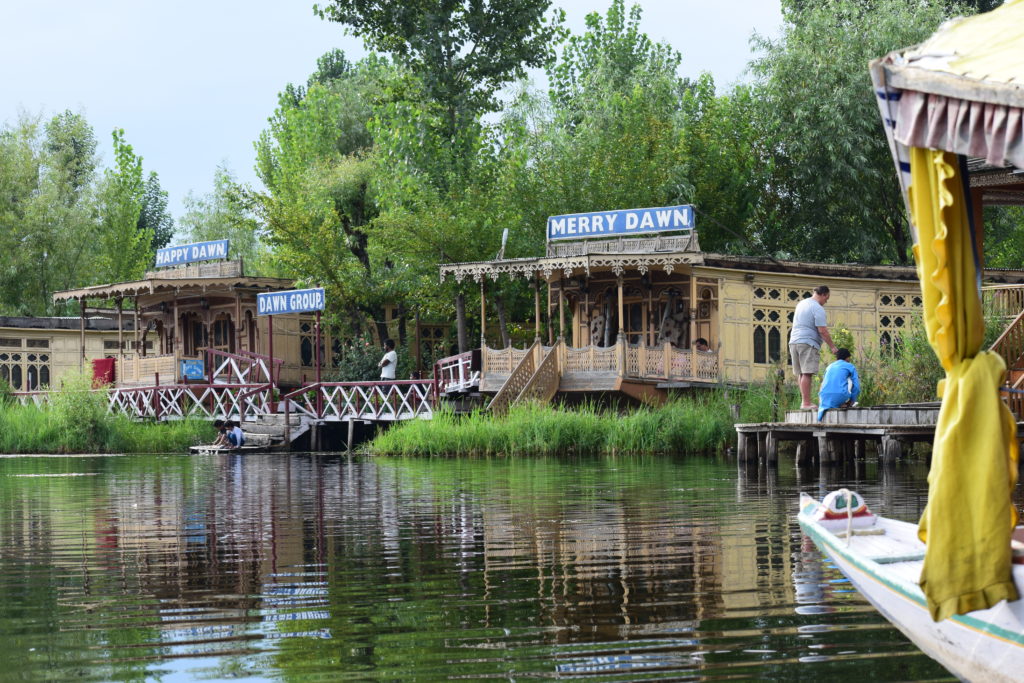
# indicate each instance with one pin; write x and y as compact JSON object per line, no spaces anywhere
{"x":772,"y":319}
{"x":306,"y":343}
{"x":895,"y":310}
{"x":25,"y":371}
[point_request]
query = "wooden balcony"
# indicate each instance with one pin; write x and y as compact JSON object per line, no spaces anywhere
{"x":596,"y":368}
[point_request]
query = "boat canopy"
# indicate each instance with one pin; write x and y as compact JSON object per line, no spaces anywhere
{"x":960,"y":93}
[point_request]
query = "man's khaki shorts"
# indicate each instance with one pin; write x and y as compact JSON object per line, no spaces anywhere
{"x":805,"y":359}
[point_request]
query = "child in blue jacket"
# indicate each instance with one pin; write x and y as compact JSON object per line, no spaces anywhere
{"x":841,"y":386}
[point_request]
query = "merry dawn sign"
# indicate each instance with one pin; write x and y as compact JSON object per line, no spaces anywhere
{"x":620,"y":223}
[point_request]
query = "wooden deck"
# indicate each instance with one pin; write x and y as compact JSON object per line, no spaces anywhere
{"x":841,"y":436}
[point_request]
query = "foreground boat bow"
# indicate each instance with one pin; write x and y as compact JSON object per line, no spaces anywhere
{"x":882,"y":558}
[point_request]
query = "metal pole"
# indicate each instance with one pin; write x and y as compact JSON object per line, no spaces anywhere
{"x":270,"y":349}
{"x":319,"y":393}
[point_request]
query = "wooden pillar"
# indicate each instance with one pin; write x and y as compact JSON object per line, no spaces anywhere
{"x":978,"y":216}
{"x":81,"y":334}
{"x":138,"y":351}
{"x":238,"y":323}
{"x":483,"y":311}
{"x":120,"y":332}
{"x":178,"y":339}
{"x":561,"y":308}
{"x":417,"y":345}
{"x":536,"y":309}
{"x":551,"y":328}
{"x":622,"y":330}
{"x":693,"y":331}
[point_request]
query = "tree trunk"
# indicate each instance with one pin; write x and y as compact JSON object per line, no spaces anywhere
{"x":460,"y":322}
{"x":403,"y":335}
{"x":506,"y":339}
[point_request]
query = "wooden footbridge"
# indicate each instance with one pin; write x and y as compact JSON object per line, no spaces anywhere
{"x":243,"y":387}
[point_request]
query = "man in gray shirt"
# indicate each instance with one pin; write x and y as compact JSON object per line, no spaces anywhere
{"x":809,"y":330}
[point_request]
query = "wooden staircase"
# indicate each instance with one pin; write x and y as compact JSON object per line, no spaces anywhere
{"x":1010,"y":345}
{"x":536,"y":378}
{"x":268,"y":431}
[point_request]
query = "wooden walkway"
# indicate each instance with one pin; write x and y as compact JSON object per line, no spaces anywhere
{"x":842,"y":436}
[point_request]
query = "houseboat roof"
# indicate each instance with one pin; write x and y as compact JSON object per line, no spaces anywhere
{"x":98,"y":323}
{"x":158,"y":285}
{"x":621,"y":261}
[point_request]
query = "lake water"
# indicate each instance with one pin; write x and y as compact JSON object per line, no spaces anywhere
{"x":321,"y":568}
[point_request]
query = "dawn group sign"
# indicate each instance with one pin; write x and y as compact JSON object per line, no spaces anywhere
{"x":188,"y":253}
{"x":618,"y":223}
{"x":291,"y":301}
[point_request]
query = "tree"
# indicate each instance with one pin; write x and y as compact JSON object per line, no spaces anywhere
{"x":461,"y":51}
{"x":47,"y":210}
{"x":457,"y":54}
{"x":222,"y":214}
{"x":154,"y":215}
{"x":124,"y":250}
{"x":314,"y":160}
{"x":831,"y":193}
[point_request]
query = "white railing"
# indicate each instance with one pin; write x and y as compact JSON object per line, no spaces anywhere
{"x":379,"y":401}
{"x":456,"y":373}
{"x":177,"y":401}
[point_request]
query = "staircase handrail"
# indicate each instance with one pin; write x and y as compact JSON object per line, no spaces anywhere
{"x":543,"y":385}
{"x":253,"y":354}
{"x":519,"y":378}
{"x":1010,"y":344}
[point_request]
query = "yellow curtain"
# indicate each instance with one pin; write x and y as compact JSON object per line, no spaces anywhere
{"x":970,"y":516}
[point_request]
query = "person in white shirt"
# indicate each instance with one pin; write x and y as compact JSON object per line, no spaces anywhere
{"x":809,"y":330}
{"x":389,"y":363}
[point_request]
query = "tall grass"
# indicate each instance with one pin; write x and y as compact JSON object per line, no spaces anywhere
{"x":76,"y":421}
{"x":686,"y":424}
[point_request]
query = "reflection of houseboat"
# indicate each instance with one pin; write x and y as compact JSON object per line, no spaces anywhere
{"x":622,"y":313}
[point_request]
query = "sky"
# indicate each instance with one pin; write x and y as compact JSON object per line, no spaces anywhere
{"x":193,"y":82}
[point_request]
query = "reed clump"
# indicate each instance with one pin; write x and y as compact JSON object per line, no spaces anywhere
{"x":688,"y":424}
{"x":77,"y":421}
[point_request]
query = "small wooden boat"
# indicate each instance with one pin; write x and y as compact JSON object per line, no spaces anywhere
{"x":210,"y":450}
{"x":882,"y":558}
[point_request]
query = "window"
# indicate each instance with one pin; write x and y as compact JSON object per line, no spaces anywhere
{"x":773,"y":317}
{"x":25,"y":372}
{"x":895,"y":310}
{"x":110,"y":344}
{"x":37,"y":343}
{"x":10,"y":343}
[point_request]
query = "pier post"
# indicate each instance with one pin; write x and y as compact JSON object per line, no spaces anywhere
{"x":351,"y":434}
{"x":891,"y":450}
{"x":771,"y":447}
{"x":825,"y":454}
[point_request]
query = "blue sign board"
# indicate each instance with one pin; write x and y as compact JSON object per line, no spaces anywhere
{"x":188,"y":253}
{"x":192,"y":368}
{"x":575,"y":226}
{"x":291,"y":301}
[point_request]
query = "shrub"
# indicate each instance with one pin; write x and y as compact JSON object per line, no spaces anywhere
{"x":80,"y":413}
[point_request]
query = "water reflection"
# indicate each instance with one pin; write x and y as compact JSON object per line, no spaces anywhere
{"x":328,"y":567}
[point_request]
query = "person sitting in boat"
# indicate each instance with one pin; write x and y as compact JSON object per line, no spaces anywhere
{"x":840,"y":386}
{"x":222,"y":434}
{"x":236,"y":438}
